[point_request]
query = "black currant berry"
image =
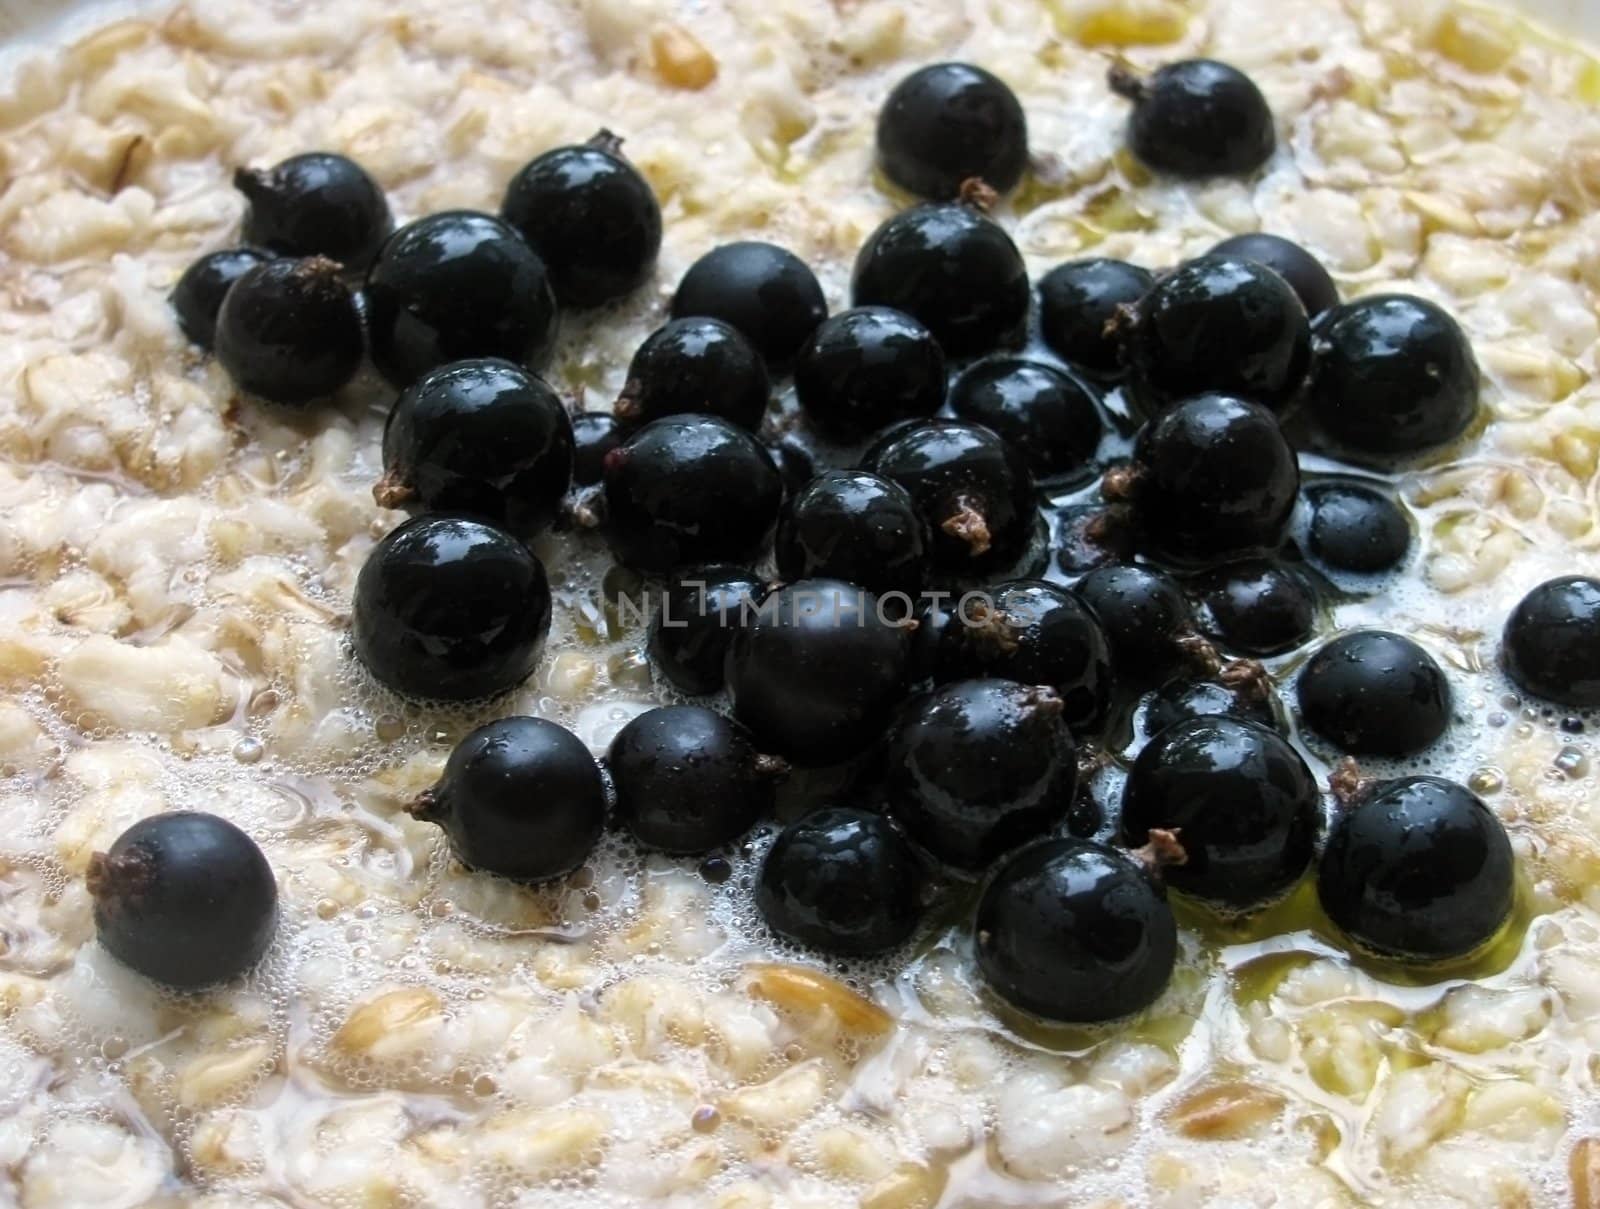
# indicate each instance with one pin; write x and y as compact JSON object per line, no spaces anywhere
{"x":1551,"y":644}
{"x":696,"y":366}
{"x":520,"y":797}
{"x":185,"y":899}
{"x":1197,"y":118}
{"x":855,"y":526}
{"x":866,"y":369}
{"x":1375,"y":693}
{"x":1357,"y":528}
{"x":795,"y":459}
{"x":841,"y":881}
{"x":197,"y":298}
{"x":1051,"y":416}
{"x":594,"y":434}
{"x":1303,"y":271}
{"x":947,"y":123}
{"x":450,"y":608}
{"x":1145,"y":618}
{"x":690,"y":634}
{"x":1257,"y":607}
{"x":289,"y":331}
{"x":316,"y":204}
{"x":766,"y":292}
{"x":1078,"y":302}
{"x":1087,"y":536}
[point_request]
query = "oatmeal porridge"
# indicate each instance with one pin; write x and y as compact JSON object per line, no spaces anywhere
{"x":178,"y":563}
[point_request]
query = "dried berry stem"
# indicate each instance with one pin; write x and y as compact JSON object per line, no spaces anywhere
{"x":428,"y":806}
{"x":1044,"y":701}
{"x":1200,"y":651}
{"x":1247,"y":677}
{"x":1125,"y":82}
{"x":1161,"y":850}
{"x":1120,"y":484}
{"x":991,"y":625}
{"x":607,"y":141}
{"x":1345,"y":781}
{"x":967,"y":523}
{"x":392,"y":490}
{"x":976,"y":192}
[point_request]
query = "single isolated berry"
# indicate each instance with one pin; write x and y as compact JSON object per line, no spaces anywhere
{"x":185,"y":899}
{"x":765,"y":291}
{"x":1145,"y":617}
{"x":866,"y":369}
{"x":484,"y":437}
{"x":520,"y":797}
{"x":696,"y":366}
{"x":1303,"y":271}
{"x":450,"y":608}
{"x":689,"y":779}
{"x":1375,"y":693}
{"x":1051,"y":416}
{"x":1551,"y":644}
{"x":316,"y":204}
{"x":197,"y":298}
{"x":947,"y":123}
{"x":1356,"y":527}
{"x":855,"y":526}
{"x":289,"y":331}
{"x":591,"y":217}
{"x":1078,"y":932}
{"x":699,"y":614}
{"x":1197,"y":118}
{"x":456,"y":285}
{"x":841,"y":881}
{"x":1078,"y":302}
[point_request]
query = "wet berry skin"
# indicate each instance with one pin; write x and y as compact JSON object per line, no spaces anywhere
{"x":868,"y":368}
{"x":1303,"y":271}
{"x":795,"y":459}
{"x":688,"y":779}
{"x":977,"y":767}
{"x":841,"y":881}
{"x":1052,"y":417}
{"x":450,"y":608}
{"x":1257,"y":607}
{"x":1144,"y":616}
{"x":1075,"y":931}
{"x":520,"y":797}
{"x":765,"y":291}
{"x":198,"y":296}
{"x":690,"y":634}
{"x":484,"y":437}
{"x":973,"y":487}
{"x":817,"y":671}
{"x":1028,"y":631}
{"x":689,"y":489}
{"x":1197,"y":118}
{"x":1356,"y":528}
{"x":1076,"y":302}
{"x":1087,"y":536}
{"x":289,"y":331}
{"x":1242,"y":801}
{"x":696,"y":366}
{"x":1551,"y":644}
{"x":316,"y":204}
{"x":1391,"y":375}
{"x":1417,"y":869}
{"x":1219,"y":324}
{"x":856,"y":526}
{"x":1375,"y":693}
{"x":952,"y":269}
{"x":594,"y":434}
{"x":950,"y":122}
{"x":590,"y":216}
{"x":185,"y":899}
{"x":456,"y":285}
{"x":1182,"y":698}
{"x":1214,"y":476}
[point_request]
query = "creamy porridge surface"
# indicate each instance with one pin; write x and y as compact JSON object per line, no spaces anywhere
{"x":176,"y":566}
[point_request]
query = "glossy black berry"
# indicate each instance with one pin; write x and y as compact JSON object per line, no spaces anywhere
{"x":689,"y":489}
{"x":1551,"y":644}
{"x":973,"y":487}
{"x":1375,"y":693}
{"x":1077,"y":302}
{"x":1241,"y":691}
{"x":952,"y":269}
{"x":977,"y":767}
{"x":484,"y":437}
{"x":1241,"y":800}
{"x":795,"y":459}
{"x":855,"y":526}
{"x":841,"y":881}
{"x":594,"y":434}
{"x":1076,"y":931}
{"x":1086,"y":536}
{"x":289,"y":331}
{"x":1028,"y":631}
{"x":591,"y":217}
{"x":950,"y":122}
{"x":1391,"y":374}
{"x":765,"y":291}
{"x":1257,"y":607}
{"x":520,"y":797}
{"x":1418,"y":869}
{"x":817,"y":670}
{"x":689,"y":779}
{"x":1355,"y":527}
{"x":197,"y":298}
{"x":1051,"y":416}
{"x":1303,"y":271}
{"x":1197,"y":118}
{"x":1144,"y":616}
{"x":696,"y":366}
{"x":1218,"y":324}
{"x":868,"y":368}
{"x":456,"y":285}
{"x":450,"y":608}
{"x":185,"y":899}
{"x":317,"y":204}
{"x":1212,"y":476}
{"x":691,"y":632}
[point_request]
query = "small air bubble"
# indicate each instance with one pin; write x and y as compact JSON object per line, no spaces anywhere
{"x":1573,"y":762}
{"x":1486,"y":781}
{"x":249,"y":750}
